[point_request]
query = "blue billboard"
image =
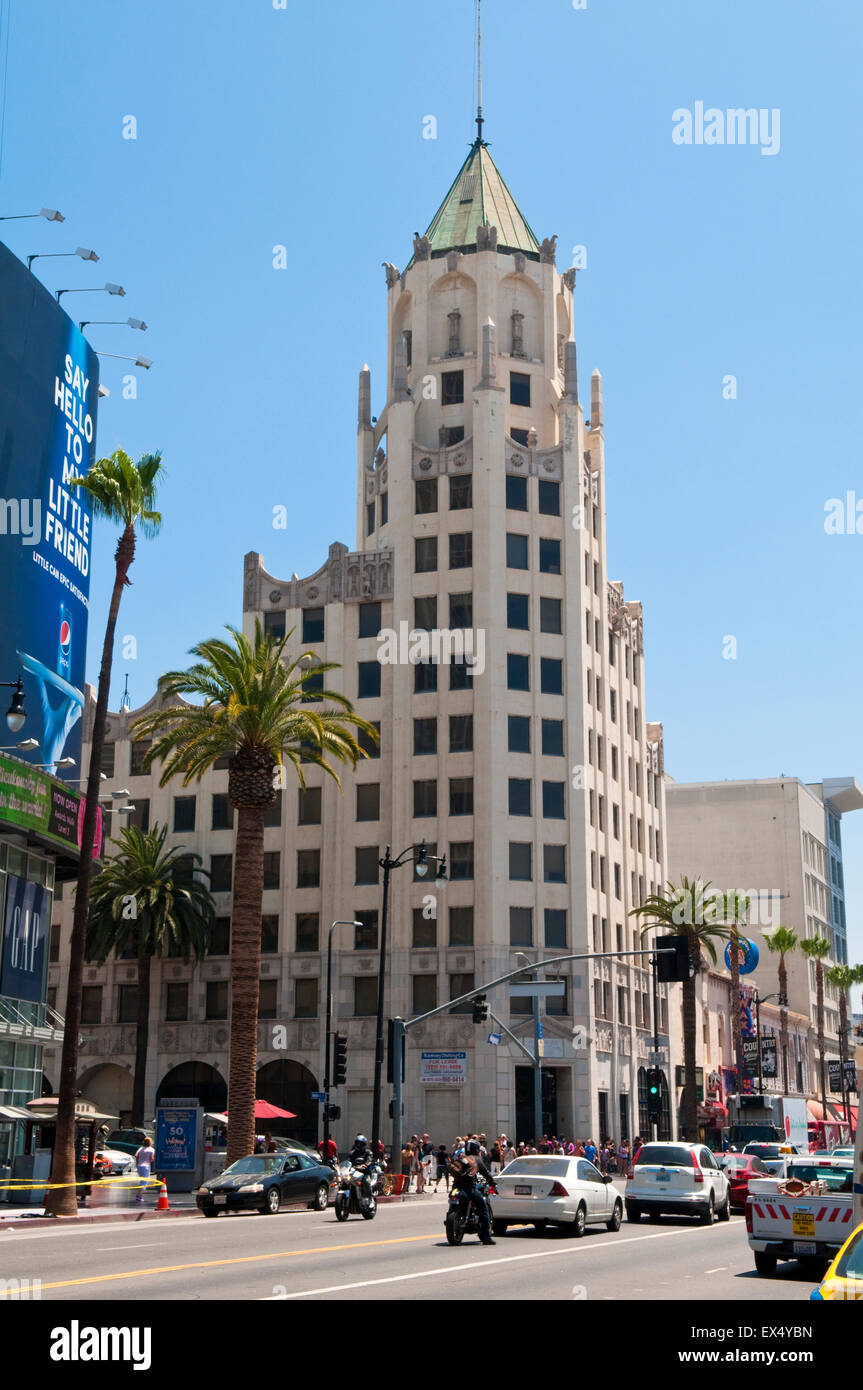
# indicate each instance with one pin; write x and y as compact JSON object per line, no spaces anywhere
{"x":176,"y":1139}
{"x":25,"y":928}
{"x":49,"y":381}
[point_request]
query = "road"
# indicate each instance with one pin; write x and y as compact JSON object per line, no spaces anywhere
{"x":402,"y":1254}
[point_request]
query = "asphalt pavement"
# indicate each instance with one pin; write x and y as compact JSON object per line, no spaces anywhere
{"x":402,"y":1254}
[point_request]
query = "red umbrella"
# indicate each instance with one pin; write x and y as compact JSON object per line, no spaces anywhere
{"x":265,"y":1111}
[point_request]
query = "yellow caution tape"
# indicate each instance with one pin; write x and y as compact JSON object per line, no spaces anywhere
{"x":30,"y":1184}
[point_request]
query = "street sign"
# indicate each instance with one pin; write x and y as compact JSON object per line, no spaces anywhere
{"x":750,"y":1056}
{"x":656,"y":1059}
{"x":544,"y":987}
{"x":495,"y":1039}
{"x":319,"y":1095}
{"x":747,"y":957}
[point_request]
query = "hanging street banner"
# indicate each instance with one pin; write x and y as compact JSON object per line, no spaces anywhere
{"x":768,"y":1058}
{"x":443,"y":1068}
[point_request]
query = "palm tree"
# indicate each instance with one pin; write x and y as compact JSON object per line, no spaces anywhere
{"x":171,"y":913}
{"x":123,"y":493}
{"x":783,"y":941}
{"x":256,"y":710}
{"x":843,"y":977}
{"x":816,"y":948}
{"x":732,"y":908}
{"x":686,"y":908}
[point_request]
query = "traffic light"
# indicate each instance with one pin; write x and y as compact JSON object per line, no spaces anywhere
{"x":480,"y":1009}
{"x":677,"y":968}
{"x":654,"y":1094}
{"x":334,"y":1112}
{"x":340,"y":1060}
{"x":390,"y":1076}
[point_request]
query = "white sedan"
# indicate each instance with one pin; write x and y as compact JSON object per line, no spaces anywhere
{"x":543,"y":1189}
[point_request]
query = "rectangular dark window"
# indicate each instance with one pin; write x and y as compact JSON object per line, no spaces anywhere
{"x":268,"y":998}
{"x":460,"y":675}
{"x":553,"y":800}
{"x":220,"y":941}
{"x":368,"y":680}
{"x":550,"y":615}
{"x":223,"y":816}
{"x":365,"y":996}
{"x":550,"y":676}
{"x":305,"y":998}
{"x":552,"y":738}
{"x":274,"y":625}
{"x":139,"y":748}
{"x":516,"y":551}
{"x":520,"y":861}
{"x":451,"y":434}
{"x":221,"y":873}
{"x":127,"y":1007}
{"x":425,"y":929}
{"x":520,"y":437}
{"x":425,"y":496}
{"x":425,"y":736}
{"x":459,"y":985}
{"x":516,"y":493}
{"x":366,"y":934}
{"x":312,"y":687}
{"x":557,"y":1004}
{"x":518,"y":671}
{"x":425,"y":799}
{"x":384,"y":508}
{"x":425,"y":613}
{"x":461,"y":733}
{"x":308,"y":868}
{"x":519,"y":388}
{"x":549,"y":556}
{"x":519,"y":796}
{"x":107,"y":764}
{"x":554,"y":863}
{"x":309,"y":806}
{"x":521,"y":926}
{"x":308,"y":931}
{"x":370,"y":746}
{"x":460,"y":862}
{"x":176,"y":1003}
{"x":460,"y":611}
{"x":369,"y":801}
{"x":370,"y":518}
{"x":425,"y":554}
{"x":369,"y":620}
{"x":519,"y":733}
{"x":273,"y":814}
{"x":313,"y":624}
{"x":425,"y":677}
{"x":270,"y":933}
{"x":366,"y":864}
{"x":272,"y":868}
{"x":184,"y":813}
{"x":461,"y":550}
{"x":549,"y":498}
{"x":91,"y":1003}
{"x":517,"y":611}
{"x":423,"y":993}
{"x":461,"y":796}
{"x":461,"y":926}
{"x":452,"y":388}
{"x":555,"y":928}
{"x":461,"y":493}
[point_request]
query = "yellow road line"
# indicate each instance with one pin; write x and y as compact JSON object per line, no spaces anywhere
{"x":236,"y":1260}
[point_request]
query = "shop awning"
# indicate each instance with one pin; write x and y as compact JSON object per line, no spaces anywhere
{"x":815,"y":1110}
{"x":14,"y":1112}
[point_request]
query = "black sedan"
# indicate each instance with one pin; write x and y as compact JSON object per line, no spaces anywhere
{"x":266,"y":1182}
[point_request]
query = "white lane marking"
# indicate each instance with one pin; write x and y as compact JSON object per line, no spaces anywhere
{"x":717,"y":1270}
{"x":144,"y":1245}
{"x":486,"y":1264}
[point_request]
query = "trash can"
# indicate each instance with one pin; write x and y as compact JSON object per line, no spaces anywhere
{"x":398,"y":1183}
{"x":5,"y":1175}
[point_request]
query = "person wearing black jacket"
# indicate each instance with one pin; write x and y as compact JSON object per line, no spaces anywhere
{"x":470,"y":1175}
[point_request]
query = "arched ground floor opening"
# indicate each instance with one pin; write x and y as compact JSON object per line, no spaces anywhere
{"x":289,"y":1085}
{"x":198,"y":1080}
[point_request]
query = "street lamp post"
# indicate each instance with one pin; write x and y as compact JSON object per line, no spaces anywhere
{"x":16,"y":715}
{"x":327,"y":1033}
{"x":419,"y":855}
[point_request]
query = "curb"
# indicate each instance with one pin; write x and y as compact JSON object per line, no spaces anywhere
{"x":41,"y":1223}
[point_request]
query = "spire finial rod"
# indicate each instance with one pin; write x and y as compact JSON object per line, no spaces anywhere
{"x":479,"y":121}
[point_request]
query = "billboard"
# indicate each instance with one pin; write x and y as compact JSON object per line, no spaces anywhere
{"x":44,"y":806}
{"x":49,"y":379}
{"x":25,"y":928}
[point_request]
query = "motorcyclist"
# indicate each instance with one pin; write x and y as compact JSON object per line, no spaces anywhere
{"x":470,"y":1175}
{"x":360,"y":1157}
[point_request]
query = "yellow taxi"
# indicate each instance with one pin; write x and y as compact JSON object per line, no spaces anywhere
{"x":844,"y":1279}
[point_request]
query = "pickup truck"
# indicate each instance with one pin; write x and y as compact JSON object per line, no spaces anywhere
{"x":804,"y":1216}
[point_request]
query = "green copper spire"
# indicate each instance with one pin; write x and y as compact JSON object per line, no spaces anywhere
{"x":479,"y":197}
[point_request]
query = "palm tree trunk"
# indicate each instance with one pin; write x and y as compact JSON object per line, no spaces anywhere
{"x":61,"y":1201}
{"x":736,"y":1030}
{"x":690,"y":1117}
{"x":783,"y":1022}
{"x":245,"y":979}
{"x":142,"y":1040}
{"x":819,"y":987}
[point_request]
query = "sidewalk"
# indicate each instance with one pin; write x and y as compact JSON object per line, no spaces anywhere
{"x":16,"y":1216}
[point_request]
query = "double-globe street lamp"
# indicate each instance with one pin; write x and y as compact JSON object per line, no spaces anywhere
{"x":418,"y":855}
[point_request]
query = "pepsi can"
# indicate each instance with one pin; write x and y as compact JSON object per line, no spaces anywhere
{"x":64,"y":651}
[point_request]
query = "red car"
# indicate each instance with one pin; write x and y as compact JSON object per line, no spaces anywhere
{"x":739,"y":1168}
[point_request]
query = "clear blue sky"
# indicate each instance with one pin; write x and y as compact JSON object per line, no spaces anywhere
{"x":258,"y":126}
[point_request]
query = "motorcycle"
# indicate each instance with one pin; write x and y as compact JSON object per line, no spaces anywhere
{"x":352,"y":1197}
{"x":462,"y":1218}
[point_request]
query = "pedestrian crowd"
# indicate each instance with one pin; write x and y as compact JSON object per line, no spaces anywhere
{"x":426,"y":1165}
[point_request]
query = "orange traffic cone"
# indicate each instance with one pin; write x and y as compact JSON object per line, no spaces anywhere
{"x":162,"y":1204}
